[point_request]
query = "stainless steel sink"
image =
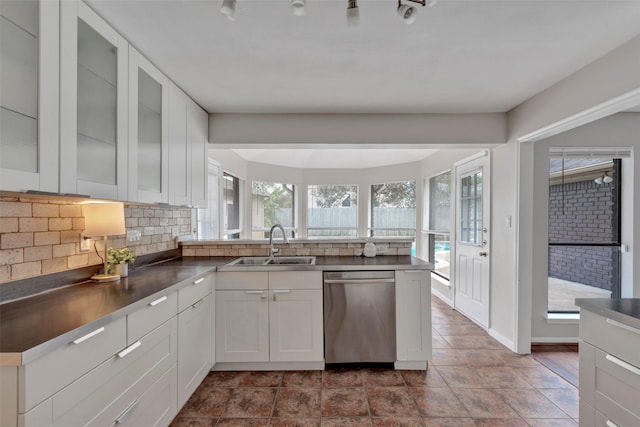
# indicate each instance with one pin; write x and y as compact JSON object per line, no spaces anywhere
{"x":262,"y":261}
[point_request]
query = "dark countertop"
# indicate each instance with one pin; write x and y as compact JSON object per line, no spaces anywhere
{"x":33,"y":326}
{"x":624,"y":310}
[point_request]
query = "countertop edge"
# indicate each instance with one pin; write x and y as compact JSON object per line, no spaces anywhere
{"x":606,"y":307}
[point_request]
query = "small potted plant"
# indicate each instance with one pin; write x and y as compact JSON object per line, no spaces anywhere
{"x":118,"y":261}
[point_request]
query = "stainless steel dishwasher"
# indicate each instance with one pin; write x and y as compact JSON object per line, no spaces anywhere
{"x":359,"y":317}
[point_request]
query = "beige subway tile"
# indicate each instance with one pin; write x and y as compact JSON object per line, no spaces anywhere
{"x":54,"y":265}
{"x":11,"y":256}
{"x":71,"y":236}
{"x":185,"y":213}
{"x":37,"y":253}
{"x":148,"y":213}
{"x":188,"y":252}
{"x":27,"y":269}
{"x":71,"y":211}
{"x":354,"y":245}
{"x":45,"y":210}
{"x":145,"y":240}
{"x":136,"y":212}
{"x":391,"y":251}
{"x":317,"y":252}
{"x":202,"y":252}
{"x":5,"y":273}
{"x":303,"y":252}
{"x":346,"y":252}
{"x":404,"y":251}
{"x":245,"y":252}
{"x":60,"y":224}
{"x":325,"y":245}
{"x":175,"y":214}
{"x":16,"y":240}
{"x":332,"y":251}
{"x":216,"y":252}
{"x":130,"y":222}
{"x":231,"y":252}
{"x":156,"y":238}
{"x":8,"y":225}
{"x":94,"y":259}
{"x":33,"y":224}
{"x":46,"y":238}
{"x":76,"y":261}
{"x":64,"y":249}
{"x":78,"y":223}
{"x":15,"y":209}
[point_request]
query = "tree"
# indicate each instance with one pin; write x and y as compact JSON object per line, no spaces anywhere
{"x":333,"y":196}
{"x":394,"y":194}
{"x":276,"y":197}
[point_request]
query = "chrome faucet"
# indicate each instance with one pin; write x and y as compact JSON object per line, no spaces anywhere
{"x":272,"y":249}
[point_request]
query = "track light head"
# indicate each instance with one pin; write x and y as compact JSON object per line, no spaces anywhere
{"x":598,"y":180}
{"x":607,"y":179}
{"x":228,"y":9}
{"x":353,"y":13}
{"x":407,"y":13}
{"x":298,"y":7}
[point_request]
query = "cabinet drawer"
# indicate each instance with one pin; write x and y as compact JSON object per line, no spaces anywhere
{"x":617,"y":389}
{"x":155,"y":313}
{"x":50,"y":373}
{"x":102,"y":395}
{"x":295,"y":280}
{"x":610,"y":335}
{"x":242,"y":280}
{"x":194,"y":291}
{"x":156,"y":407}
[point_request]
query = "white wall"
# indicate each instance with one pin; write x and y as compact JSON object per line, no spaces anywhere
{"x":356,"y":130}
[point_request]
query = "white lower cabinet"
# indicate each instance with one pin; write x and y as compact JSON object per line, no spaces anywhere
{"x":413,"y":318}
{"x":194,"y":346}
{"x":281,"y":322}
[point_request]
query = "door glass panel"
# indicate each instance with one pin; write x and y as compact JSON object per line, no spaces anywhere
{"x":19,"y":85}
{"x":97,"y":64}
{"x":149,"y":133}
{"x":471,"y":208}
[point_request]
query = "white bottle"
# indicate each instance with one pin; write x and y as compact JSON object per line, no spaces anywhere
{"x":369,"y":249}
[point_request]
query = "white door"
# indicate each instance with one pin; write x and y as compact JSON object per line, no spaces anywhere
{"x":471,"y":281}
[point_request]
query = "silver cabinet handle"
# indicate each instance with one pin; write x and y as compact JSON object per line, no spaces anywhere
{"x":89,"y":335}
{"x":158,"y":301}
{"x":623,"y":326}
{"x":200,"y":280}
{"x":129,"y":349}
{"x":611,"y":424}
{"x":255,"y":292}
{"x":127,"y":412}
{"x":281,"y":291}
{"x":348,"y":281}
{"x":629,"y":367}
{"x":197,"y":303}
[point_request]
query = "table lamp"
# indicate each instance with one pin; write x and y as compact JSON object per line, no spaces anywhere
{"x":104,"y":219}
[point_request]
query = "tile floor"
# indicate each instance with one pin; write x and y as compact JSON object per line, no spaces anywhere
{"x":472,"y":380}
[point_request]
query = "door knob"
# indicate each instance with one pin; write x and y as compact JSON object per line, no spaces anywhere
{"x":483,"y":254}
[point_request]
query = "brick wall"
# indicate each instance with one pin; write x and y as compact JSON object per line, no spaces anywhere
{"x":42,"y":235}
{"x":588,"y":217}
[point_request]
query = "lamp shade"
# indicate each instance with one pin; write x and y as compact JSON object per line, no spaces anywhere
{"x":104,"y":219}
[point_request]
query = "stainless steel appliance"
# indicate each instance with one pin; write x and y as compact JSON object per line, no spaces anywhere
{"x":359,"y":316}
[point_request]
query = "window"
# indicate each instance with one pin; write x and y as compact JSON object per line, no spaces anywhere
{"x":393,"y":209}
{"x":208,"y":218}
{"x":272,"y":203}
{"x":584,"y":230}
{"x":439,"y":210}
{"x":471,"y":208}
{"x":232,"y":208}
{"x":332,"y":211}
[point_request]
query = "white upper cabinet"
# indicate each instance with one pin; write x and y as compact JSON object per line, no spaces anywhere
{"x":29,"y":52}
{"x":179,"y":149}
{"x":148,"y":131}
{"x":93,"y":104}
{"x":199,"y":128}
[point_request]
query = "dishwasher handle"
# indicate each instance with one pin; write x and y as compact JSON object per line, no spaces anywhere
{"x":355,"y":281}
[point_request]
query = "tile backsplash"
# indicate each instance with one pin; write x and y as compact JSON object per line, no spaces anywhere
{"x":42,"y":235}
{"x":295,"y":248}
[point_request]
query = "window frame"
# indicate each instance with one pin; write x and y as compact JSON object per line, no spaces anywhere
{"x":433,"y":233}
{"x":371,"y":229}
{"x":308,"y":228}
{"x":232,"y":233}
{"x":293,"y":229}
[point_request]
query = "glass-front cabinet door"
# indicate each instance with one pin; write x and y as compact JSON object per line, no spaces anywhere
{"x":29,"y":55}
{"x":148,"y":128}
{"x":93,"y":113}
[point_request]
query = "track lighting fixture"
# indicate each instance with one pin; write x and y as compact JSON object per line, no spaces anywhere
{"x":353,"y":13}
{"x":604,"y":179}
{"x":228,"y":9}
{"x":409,"y":13}
{"x":298,"y":7}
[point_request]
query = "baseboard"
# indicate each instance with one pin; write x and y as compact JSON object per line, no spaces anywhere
{"x":554,"y":340}
{"x":441,"y":297}
{"x":502,"y":339}
{"x":410,"y":365}
{"x":268,"y":366}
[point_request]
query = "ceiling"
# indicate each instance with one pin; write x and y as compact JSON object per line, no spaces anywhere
{"x":458,"y":57}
